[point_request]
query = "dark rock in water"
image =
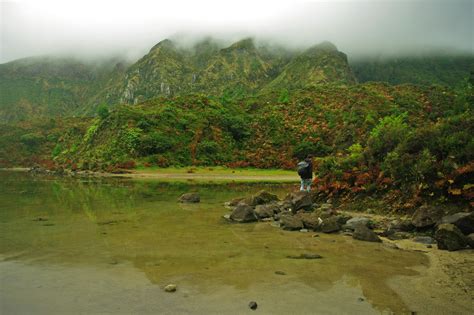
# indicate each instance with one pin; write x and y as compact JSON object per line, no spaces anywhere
{"x":305,"y":256}
{"x":263,"y":197}
{"x":260,"y":198}
{"x":190,"y":198}
{"x":281,"y":273}
{"x":426,"y":216}
{"x":299,"y":200}
{"x":311,"y":221}
{"x":290,"y":222}
{"x":352,"y":223}
{"x":399,"y":236}
{"x":253,"y":305}
{"x":363,"y":233}
{"x":243,"y":214}
{"x":470,"y":240}
{"x":463,"y":220}
{"x":450,"y":237}
{"x":424,"y":240}
{"x":267,"y":210}
{"x":40,"y":219}
{"x":331,"y":225}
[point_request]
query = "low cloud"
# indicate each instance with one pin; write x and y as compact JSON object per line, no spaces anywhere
{"x":131,"y":28}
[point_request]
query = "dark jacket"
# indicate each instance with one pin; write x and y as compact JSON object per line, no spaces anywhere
{"x":308,"y":172}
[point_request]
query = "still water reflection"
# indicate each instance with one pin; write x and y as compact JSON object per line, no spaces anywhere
{"x":74,"y":225}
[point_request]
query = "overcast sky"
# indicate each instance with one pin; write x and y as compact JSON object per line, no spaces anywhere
{"x":131,"y":28}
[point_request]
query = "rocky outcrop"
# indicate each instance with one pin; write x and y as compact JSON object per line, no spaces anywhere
{"x":243,"y":214}
{"x":426,"y":216}
{"x":464,"y":221}
{"x":363,"y":233}
{"x":449,"y":237}
{"x":190,"y":198}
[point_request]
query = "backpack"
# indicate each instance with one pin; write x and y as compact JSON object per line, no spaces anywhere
{"x":302,"y":167}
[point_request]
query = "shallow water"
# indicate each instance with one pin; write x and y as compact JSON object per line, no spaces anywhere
{"x":110,"y":245}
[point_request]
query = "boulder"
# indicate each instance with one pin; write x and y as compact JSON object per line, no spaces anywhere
{"x":310,"y":220}
{"x":331,"y":224}
{"x":267,"y":210}
{"x":463,"y":220}
{"x":470,"y":240}
{"x":450,"y":237}
{"x":352,"y":223}
{"x":190,"y":198}
{"x":299,"y":200}
{"x":263,"y":197}
{"x":243,"y":214}
{"x":401,"y":225}
{"x":290,"y":222}
{"x":426,"y":216}
{"x":363,"y":233}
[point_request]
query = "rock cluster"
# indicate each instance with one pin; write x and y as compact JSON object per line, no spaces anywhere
{"x":298,"y":212}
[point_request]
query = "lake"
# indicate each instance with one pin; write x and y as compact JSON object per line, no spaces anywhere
{"x":110,"y":245}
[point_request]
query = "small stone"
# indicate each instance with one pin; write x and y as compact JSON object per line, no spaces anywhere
{"x":361,"y":299}
{"x":281,"y":273}
{"x":170,"y":288}
{"x":253,"y":305}
{"x":190,"y":198}
{"x":304,"y":230}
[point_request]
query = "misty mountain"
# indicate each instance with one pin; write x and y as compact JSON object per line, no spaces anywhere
{"x":53,"y":86}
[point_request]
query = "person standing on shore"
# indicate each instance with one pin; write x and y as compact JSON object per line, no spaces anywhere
{"x":305,"y":171}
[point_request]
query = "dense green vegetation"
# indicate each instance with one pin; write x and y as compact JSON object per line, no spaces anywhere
{"x":261,"y":109}
{"x":439,"y":69}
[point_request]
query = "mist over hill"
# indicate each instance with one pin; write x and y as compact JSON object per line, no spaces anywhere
{"x":66,"y":86}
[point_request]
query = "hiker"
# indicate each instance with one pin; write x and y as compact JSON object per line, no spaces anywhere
{"x":305,"y":170}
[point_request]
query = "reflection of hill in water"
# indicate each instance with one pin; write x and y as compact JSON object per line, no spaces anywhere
{"x":107,"y":222}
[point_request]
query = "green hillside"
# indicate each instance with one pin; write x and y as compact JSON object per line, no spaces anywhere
{"x":443,"y":70}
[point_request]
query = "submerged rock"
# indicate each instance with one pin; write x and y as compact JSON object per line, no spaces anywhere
{"x":243,"y":214}
{"x":190,"y":198}
{"x":464,"y":221}
{"x":450,"y":237}
{"x":305,"y":256}
{"x":253,"y":305}
{"x":171,"y":288}
{"x":363,"y":233}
